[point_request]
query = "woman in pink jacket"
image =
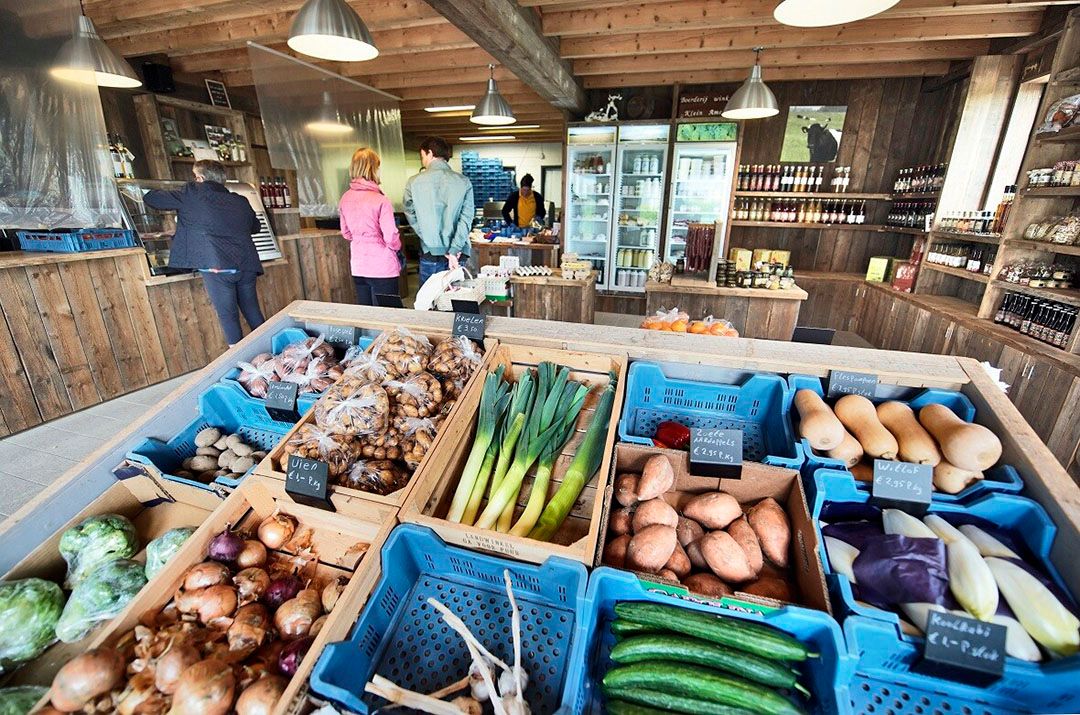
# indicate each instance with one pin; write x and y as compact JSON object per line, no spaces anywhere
{"x":367,"y":223}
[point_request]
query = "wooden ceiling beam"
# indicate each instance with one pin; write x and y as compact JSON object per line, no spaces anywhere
{"x":778,"y":74}
{"x":513,"y":35}
{"x":515,"y":99}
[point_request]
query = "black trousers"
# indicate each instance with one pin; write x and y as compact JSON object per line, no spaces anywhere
{"x":232,"y":294}
{"x":368,"y":288}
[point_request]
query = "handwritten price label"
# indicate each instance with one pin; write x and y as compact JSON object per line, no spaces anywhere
{"x":902,"y":485}
{"x":964,"y":649}
{"x":716,"y":452}
{"x":471,"y":325}
{"x":307,"y":481}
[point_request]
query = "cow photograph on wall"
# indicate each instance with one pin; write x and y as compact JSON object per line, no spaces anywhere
{"x":812,"y":135}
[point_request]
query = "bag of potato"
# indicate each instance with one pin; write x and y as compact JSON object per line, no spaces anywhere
{"x":403,"y":352}
{"x":256,"y":376}
{"x":296,"y":356}
{"x":339,"y":451}
{"x":417,"y":436}
{"x":319,"y":375}
{"x":353,"y":406}
{"x":379,"y":476}
{"x":418,"y":395}
{"x":365,"y":364}
{"x":455,"y":358}
{"x":385,"y":445}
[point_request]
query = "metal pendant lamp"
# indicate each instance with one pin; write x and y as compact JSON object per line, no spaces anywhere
{"x":329,"y":120}
{"x":86,"y":59}
{"x":331,"y":30}
{"x":492,"y":109}
{"x":822,"y":13}
{"x":753,"y":100}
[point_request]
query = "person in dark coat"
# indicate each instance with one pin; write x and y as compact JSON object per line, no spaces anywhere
{"x":213,"y":236}
{"x":523,"y":205}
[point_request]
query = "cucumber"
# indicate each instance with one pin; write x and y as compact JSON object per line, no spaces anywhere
{"x":696,"y":682}
{"x":621,"y":707}
{"x":666,"y":702}
{"x":623,"y":628}
{"x":753,"y":638}
{"x":636,"y":649}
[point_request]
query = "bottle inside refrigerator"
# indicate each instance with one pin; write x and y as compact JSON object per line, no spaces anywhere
{"x":701,"y":186}
{"x":640,"y":181}
{"x":590,"y":185}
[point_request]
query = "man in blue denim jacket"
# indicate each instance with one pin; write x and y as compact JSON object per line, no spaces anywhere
{"x":439,"y":206}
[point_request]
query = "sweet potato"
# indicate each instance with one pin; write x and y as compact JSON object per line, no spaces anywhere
{"x":697,"y":559}
{"x":770,"y":523}
{"x":669,"y":575}
{"x":725,"y":557}
{"x":654,"y":511}
{"x":688,"y":531}
{"x":713,"y":510}
{"x":650,"y":548}
{"x":679,"y":563}
{"x":620,"y":520}
{"x":747,"y":540}
{"x":626,"y":489}
{"x":656,"y":478}
{"x":707,"y":585}
{"x":615,"y":551}
{"x":769,"y":587}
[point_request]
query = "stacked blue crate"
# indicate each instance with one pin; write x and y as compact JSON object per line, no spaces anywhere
{"x":489,"y":178}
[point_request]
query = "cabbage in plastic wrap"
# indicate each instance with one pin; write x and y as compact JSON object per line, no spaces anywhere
{"x":20,"y":699}
{"x":101,"y":595}
{"x":94,"y":541}
{"x":29,"y":610}
{"x":163,"y":547}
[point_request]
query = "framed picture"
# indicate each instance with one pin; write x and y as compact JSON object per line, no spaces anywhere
{"x":813,"y":134}
{"x":216,"y":136}
{"x":219,"y":96}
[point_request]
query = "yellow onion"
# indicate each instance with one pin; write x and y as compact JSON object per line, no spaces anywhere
{"x":204,"y":575}
{"x":260,"y":697}
{"x":178,"y":657}
{"x":85,"y":677}
{"x":276,"y":530}
{"x":249,"y":627}
{"x":208,"y":603}
{"x":251,"y":583}
{"x":253,"y":553}
{"x":205,"y":688}
{"x":294,"y":618}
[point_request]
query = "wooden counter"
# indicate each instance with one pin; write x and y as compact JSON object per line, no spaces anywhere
{"x":553,"y":297}
{"x":487,"y":253}
{"x":755,"y":312}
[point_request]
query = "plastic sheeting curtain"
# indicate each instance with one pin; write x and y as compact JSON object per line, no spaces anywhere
{"x":315,"y":120}
{"x":55,"y":169}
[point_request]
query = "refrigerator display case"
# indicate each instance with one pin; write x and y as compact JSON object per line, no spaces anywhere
{"x":639,"y":188}
{"x":589,"y":187}
{"x":156,"y":228}
{"x":701,"y":183}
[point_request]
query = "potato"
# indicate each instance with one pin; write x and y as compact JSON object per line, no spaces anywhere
{"x":713,"y":510}
{"x":707,"y":585}
{"x":668,"y":574}
{"x":240,"y":465}
{"x":746,"y":538}
{"x":222,"y":444}
{"x":650,"y":548}
{"x":769,"y":587}
{"x":207,"y":437}
{"x":241,"y":449}
{"x":654,"y":511}
{"x":626,"y":489}
{"x":679,"y":563}
{"x":620,"y":520}
{"x":186,"y":464}
{"x":258,"y":455}
{"x":725,"y":557}
{"x":656,"y":478}
{"x":615,"y":551}
{"x":203,"y":463}
{"x":207,"y":451}
{"x":697,"y":559}
{"x":770,"y":523}
{"x":233,"y":439}
{"x":688,"y":531}
{"x":226,"y":458}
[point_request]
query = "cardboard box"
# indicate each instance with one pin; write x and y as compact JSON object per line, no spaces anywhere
{"x":904,"y":276}
{"x":758,"y":481}
{"x":878,"y":268}
{"x":741,"y":257}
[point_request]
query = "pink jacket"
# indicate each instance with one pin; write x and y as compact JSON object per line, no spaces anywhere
{"x":367,"y":223}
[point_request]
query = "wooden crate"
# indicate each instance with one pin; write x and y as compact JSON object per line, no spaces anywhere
{"x":341,"y":543}
{"x":347,"y":500}
{"x":578,"y":537}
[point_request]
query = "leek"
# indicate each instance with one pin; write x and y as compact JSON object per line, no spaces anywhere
{"x":586,"y":461}
{"x":491,"y":401}
{"x":520,"y":407}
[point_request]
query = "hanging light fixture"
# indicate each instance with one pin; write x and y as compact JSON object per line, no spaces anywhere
{"x":86,"y":59}
{"x":329,"y":120}
{"x":753,"y":100}
{"x":492,"y":109}
{"x":331,"y":30}
{"x":821,"y":13}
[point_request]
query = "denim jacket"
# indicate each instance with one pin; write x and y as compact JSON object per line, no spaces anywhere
{"x":439,"y":206}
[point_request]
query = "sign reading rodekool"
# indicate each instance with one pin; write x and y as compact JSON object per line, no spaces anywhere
{"x":307,"y":481}
{"x":716,"y":452}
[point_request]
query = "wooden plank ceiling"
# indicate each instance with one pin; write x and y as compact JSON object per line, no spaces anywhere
{"x":427,"y":61}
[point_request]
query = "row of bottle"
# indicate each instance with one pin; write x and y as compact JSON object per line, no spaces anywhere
{"x":800,"y":211}
{"x":592,"y":164}
{"x":911,"y":214}
{"x":649,"y":188}
{"x":633,"y":257}
{"x":924,"y":179}
{"x":975,"y":258}
{"x":797,"y":178}
{"x":631,"y":278}
{"x":121,"y":157}
{"x":1045,"y":320}
{"x":643,"y":164}
{"x":275,"y":193}
{"x":1063,"y":173}
{"x":974,"y":222}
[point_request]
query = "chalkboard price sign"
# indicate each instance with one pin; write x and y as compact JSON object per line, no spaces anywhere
{"x":342,"y":334}
{"x":902,"y":485}
{"x":307,"y":481}
{"x":281,"y":401}
{"x":471,"y":325}
{"x":964,"y":649}
{"x":842,"y":382}
{"x":716,"y":452}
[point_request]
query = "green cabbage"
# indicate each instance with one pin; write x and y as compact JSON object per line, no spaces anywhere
{"x":162,"y":548}
{"x":20,"y":699}
{"x":29,"y":610}
{"x":102,"y":594}
{"x":94,"y":541}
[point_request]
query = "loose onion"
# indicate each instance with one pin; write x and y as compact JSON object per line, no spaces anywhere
{"x":85,"y":677}
{"x":317,"y":626}
{"x":292,"y":655}
{"x":294,"y":618}
{"x":208,"y":603}
{"x":205,"y":688}
{"x":140,"y":696}
{"x":171,"y":664}
{"x":276,"y":530}
{"x":282,"y":589}
{"x":260,"y":697}
{"x":332,"y":591}
{"x":225,"y":547}
{"x":253,"y":554}
{"x":251,"y":583}
{"x":204,"y":575}
{"x":249,"y":627}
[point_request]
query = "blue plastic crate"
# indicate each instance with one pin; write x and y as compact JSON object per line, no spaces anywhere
{"x":1002,"y":478}
{"x":223,"y":405}
{"x":401,"y":637}
{"x":886,"y":656}
{"x":826,"y":676}
{"x":760,"y":407}
{"x":84,"y":239}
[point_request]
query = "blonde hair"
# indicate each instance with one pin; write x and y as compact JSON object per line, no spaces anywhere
{"x":365,"y":164}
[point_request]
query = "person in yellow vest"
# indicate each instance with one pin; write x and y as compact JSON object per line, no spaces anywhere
{"x":524,"y":205}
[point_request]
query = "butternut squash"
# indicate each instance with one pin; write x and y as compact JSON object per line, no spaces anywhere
{"x":916,"y":444}
{"x":817,"y":423}
{"x":966,"y":446}
{"x":858,"y":414}
{"x":951,"y":480}
{"x":849,"y":452}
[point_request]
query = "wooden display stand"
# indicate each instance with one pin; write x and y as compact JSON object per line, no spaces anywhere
{"x":553,"y":297}
{"x":487,"y":253}
{"x":755,"y":312}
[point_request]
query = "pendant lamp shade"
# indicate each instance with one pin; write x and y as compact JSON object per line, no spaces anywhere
{"x":492,"y":109}
{"x":753,"y":100}
{"x":328,"y":121}
{"x":821,"y":13}
{"x":86,"y":59}
{"x":331,"y":30}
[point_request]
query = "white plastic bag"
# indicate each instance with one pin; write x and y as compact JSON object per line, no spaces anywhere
{"x":435,"y":286}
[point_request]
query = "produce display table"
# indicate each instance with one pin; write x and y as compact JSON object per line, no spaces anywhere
{"x":487,"y":253}
{"x":755,"y":312}
{"x":553,"y":297}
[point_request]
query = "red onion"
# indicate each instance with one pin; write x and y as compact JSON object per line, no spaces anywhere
{"x":292,"y":654}
{"x":282,"y":589}
{"x":225,"y":547}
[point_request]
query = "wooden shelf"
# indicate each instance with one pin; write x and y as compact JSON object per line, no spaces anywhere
{"x":916,"y":197}
{"x":967,"y":237}
{"x":1062,"y":295}
{"x":903,"y":229}
{"x":1068,"y":134}
{"x":810,"y":226}
{"x":1052,"y":191}
{"x":810,"y":195}
{"x":957,"y":272}
{"x":192,"y":160}
{"x":1058,"y":248}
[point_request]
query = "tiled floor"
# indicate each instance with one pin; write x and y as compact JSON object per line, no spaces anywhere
{"x":33,"y":459}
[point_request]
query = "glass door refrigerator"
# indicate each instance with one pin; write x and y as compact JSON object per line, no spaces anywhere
{"x":702,"y":170}
{"x":639,"y":202}
{"x":590,"y":158}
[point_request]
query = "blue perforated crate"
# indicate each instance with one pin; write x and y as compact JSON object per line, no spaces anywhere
{"x":760,"y":407}
{"x":401,"y":637}
{"x":225,"y":406}
{"x":886,"y":656}
{"x":1002,"y":478}
{"x":83,"y":239}
{"x":826,"y":676}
